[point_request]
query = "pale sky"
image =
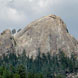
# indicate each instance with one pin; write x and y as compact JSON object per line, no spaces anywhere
{"x":18,"y":13}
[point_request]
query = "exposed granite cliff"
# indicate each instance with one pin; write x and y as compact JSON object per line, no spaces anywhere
{"x":48,"y":33}
{"x":7,"y":43}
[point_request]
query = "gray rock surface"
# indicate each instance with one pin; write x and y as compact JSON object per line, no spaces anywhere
{"x":7,"y":43}
{"x":48,"y":33}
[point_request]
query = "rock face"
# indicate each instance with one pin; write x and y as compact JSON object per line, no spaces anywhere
{"x":7,"y":43}
{"x":49,"y":34}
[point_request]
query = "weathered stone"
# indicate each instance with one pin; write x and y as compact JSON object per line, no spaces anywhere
{"x":49,"y":34}
{"x":7,"y":43}
{"x":7,"y":31}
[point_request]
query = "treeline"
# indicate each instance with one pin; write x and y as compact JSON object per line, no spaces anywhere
{"x":17,"y":72}
{"x":44,"y":66}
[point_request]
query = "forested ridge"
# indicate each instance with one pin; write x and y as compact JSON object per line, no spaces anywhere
{"x":44,"y":66}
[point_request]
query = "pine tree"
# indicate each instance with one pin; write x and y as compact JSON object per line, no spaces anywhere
{"x":16,"y":75}
{"x":21,"y":71}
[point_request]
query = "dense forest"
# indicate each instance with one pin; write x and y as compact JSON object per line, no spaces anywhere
{"x":44,"y":66}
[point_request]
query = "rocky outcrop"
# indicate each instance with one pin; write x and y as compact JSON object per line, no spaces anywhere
{"x":72,"y":75}
{"x":7,"y":42}
{"x":49,"y":34}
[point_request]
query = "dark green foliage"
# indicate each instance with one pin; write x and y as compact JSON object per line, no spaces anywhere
{"x":13,"y":31}
{"x":21,"y":71}
{"x":16,"y":75}
{"x":44,"y":66}
{"x":60,"y":76}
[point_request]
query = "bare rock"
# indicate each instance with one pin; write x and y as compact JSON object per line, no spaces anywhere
{"x":7,"y":31}
{"x":7,"y":43}
{"x":48,"y":33}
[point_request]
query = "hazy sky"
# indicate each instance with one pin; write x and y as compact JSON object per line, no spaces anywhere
{"x":18,"y":13}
